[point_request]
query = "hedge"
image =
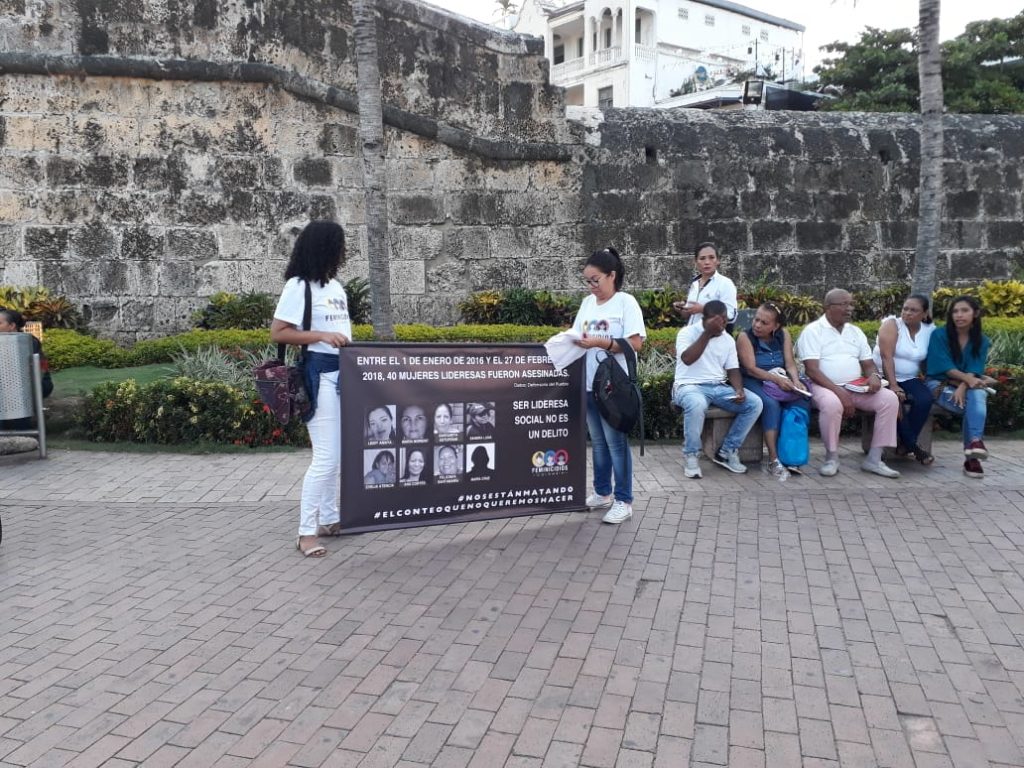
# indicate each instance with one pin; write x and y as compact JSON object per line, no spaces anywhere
{"x":67,"y":349}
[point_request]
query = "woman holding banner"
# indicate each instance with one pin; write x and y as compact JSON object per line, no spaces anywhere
{"x":317,"y":256}
{"x":605,"y":315}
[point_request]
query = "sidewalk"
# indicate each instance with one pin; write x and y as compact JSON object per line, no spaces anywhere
{"x":153,"y":611}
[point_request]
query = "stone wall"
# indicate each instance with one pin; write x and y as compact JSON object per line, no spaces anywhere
{"x":154,"y":153}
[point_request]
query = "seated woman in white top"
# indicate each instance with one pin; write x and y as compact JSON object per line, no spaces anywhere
{"x":900,"y":352}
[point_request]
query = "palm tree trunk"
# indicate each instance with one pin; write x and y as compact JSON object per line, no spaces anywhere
{"x":930,"y":195}
{"x":371,"y":134}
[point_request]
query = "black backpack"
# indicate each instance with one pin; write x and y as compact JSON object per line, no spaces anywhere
{"x":618,"y":394}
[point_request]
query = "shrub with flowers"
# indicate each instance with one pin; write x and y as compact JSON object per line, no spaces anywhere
{"x":183,"y":410}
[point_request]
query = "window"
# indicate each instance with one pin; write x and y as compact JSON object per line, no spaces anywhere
{"x":684,"y":14}
{"x":764,"y":35}
{"x":746,"y":30}
{"x":637,"y":37}
{"x":559,"y":56}
{"x":604,"y":97}
{"x":608,"y":38}
{"x":579,"y":47}
{"x":709,"y":20}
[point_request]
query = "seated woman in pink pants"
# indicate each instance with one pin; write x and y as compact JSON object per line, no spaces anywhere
{"x":836,"y":352}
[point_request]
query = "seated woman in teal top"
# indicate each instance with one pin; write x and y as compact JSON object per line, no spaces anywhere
{"x":956,"y":375}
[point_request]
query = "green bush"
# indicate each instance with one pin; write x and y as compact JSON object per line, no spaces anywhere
{"x":70,"y":349}
{"x":183,"y":410}
{"x":36,"y":303}
{"x":359,"y":305}
{"x":228,"y":310}
{"x":1006,"y":406}
{"x":656,"y":307}
{"x":163,"y":350}
{"x":874,"y":305}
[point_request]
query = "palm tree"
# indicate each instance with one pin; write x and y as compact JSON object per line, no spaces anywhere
{"x":371,"y":134}
{"x":929,"y":66}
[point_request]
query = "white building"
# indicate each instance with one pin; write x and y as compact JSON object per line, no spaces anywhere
{"x":639,"y":53}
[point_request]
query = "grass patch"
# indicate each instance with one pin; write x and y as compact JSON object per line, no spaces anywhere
{"x":83,"y":379}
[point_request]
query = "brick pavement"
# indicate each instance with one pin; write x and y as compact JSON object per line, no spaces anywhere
{"x":153,"y":612}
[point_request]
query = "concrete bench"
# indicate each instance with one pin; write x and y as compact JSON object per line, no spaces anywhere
{"x":867,"y":427}
{"x":717,"y":422}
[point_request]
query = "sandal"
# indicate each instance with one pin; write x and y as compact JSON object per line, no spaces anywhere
{"x":317,"y":550}
{"x":333,"y":529}
{"x":923,"y":457}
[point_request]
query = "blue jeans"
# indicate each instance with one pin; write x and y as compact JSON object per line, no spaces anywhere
{"x":771,"y":413}
{"x":915,"y":413}
{"x":611,"y":455}
{"x":974,"y":414}
{"x":695,"y":399}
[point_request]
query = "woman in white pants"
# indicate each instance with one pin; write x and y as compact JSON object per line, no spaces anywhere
{"x":316,"y":258}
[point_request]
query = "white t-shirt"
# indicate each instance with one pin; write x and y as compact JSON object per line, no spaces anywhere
{"x":909,"y":352}
{"x":718,"y":357}
{"x":330,"y":309}
{"x":839,"y":354}
{"x":618,"y":318}
{"x":718,"y":287}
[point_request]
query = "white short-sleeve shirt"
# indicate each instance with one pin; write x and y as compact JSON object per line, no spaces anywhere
{"x":718,"y":287}
{"x":718,"y":357}
{"x":618,"y":318}
{"x":330,"y":309}
{"x":839,"y":353}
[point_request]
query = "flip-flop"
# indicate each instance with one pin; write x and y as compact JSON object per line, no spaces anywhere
{"x":317,"y":550}
{"x":331,"y":529}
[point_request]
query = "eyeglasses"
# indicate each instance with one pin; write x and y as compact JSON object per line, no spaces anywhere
{"x":593,"y":282}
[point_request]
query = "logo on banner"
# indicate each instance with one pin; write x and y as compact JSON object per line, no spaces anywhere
{"x":550,"y":461}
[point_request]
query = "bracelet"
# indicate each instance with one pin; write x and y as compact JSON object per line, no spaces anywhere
{"x":611,"y":344}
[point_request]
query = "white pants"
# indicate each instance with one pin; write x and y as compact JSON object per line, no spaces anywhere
{"x":321,"y":485}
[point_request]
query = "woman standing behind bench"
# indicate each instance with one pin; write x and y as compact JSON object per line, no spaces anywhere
{"x":900,"y":351}
{"x":763,"y":348}
{"x":956,"y":375}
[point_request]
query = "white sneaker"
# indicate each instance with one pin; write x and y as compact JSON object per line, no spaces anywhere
{"x":730,"y":460}
{"x":829,"y":468}
{"x":879,"y":469}
{"x":619,"y":513}
{"x":776,"y":469}
{"x":597,"y":501}
{"x":691,"y":465}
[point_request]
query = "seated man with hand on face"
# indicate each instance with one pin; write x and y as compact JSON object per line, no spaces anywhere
{"x":706,"y":359}
{"x":835,"y":352}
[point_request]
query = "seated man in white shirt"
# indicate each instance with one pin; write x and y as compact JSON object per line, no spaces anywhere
{"x":705,"y":360}
{"x":834,"y":353}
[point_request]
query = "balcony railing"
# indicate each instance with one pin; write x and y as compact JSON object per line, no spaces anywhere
{"x":606,"y":56}
{"x":644,"y":53}
{"x":566,"y":69}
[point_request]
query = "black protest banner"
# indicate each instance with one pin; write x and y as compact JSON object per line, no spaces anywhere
{"x":436,"y":434}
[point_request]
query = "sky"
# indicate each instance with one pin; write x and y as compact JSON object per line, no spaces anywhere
{"x":826,"y":21}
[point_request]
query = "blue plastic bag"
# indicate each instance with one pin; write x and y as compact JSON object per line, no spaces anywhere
{"x":792,"y":444}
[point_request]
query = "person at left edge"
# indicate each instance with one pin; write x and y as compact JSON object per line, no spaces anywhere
{"x":318,"y":254}
{"x":608,"y":313}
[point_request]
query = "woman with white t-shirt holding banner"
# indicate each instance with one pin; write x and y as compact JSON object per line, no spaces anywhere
{"x":607,"y":314}
{"x":316,"y":258}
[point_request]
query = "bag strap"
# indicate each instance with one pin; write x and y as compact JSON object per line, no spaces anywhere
{"x":630,"y":354}
{"x":307,"y":322}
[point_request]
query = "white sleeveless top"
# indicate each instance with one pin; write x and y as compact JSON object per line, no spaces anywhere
{"x":909,"y":352}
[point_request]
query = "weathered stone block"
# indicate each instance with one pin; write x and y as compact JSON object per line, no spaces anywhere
{"x":1006,"y":234}
{"x":313,"y":172}
{"x":899,"y":234}
{"x":819,"y":235}
{"x":416,"y":209}
{"x":195,"y":245}
{"x":47,"y":243}
{"x":772,"y":236}
{"x":962,"y":205}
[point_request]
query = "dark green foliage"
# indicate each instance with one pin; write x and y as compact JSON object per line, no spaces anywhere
{"x":982,"y":72}
{"x":358,"y":291}
{"x":796,"y":309}
{"x":657,"y":307}
{"x":519,"y":307}
{"x":247,"y":311}
{"x":874,"y":305}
